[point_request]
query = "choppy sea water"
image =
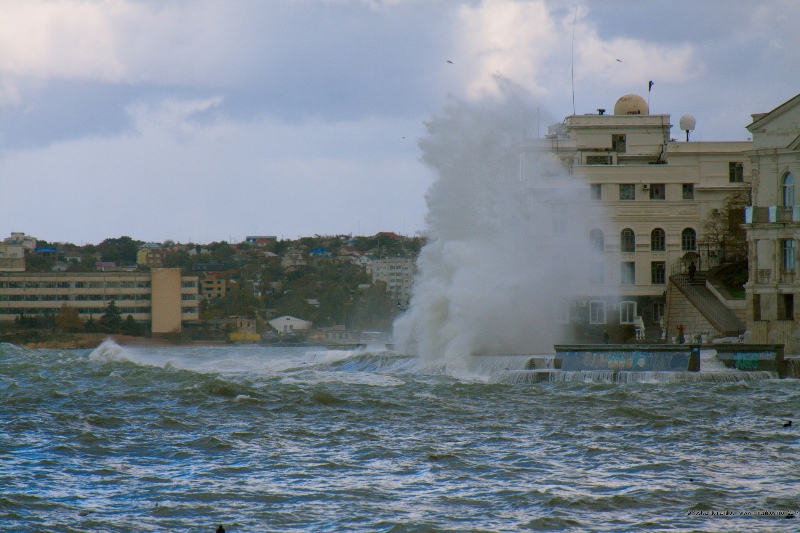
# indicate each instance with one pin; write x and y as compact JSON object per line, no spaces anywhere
{"x":298,"y":439}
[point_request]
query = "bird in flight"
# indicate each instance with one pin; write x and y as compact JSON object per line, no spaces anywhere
{"x":449,"y":61}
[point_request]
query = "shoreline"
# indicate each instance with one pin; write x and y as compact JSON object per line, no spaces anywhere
{"x":93,"y":340}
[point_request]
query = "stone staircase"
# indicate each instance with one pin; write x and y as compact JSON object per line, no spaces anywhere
{"x":706,"y":302}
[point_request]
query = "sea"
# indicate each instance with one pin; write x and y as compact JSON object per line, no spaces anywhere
{"x":256,"y":439}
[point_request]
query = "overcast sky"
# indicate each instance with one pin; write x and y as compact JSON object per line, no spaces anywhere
{"x":209,"y":120}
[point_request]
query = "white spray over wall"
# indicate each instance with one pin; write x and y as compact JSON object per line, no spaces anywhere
{"x":508,"y":236}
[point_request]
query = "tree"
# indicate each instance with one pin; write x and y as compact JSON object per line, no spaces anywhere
{"x":69,"y":320}
{"x":111,"y":320}
{"x":723,"y":229}
{"x":132,"y":328}
{"x":122,"y":249}
{"x":374,"y":309}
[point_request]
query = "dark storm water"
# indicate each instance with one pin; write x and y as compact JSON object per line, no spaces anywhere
{"x":271,"y":439}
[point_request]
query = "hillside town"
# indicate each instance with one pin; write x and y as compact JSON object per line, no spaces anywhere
{"x":692,"y":240}
{"x":323,"y":290}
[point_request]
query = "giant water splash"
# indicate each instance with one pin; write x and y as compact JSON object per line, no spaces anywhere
{"x":507,"y":232}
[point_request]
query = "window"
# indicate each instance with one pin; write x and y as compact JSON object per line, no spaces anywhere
{"x":627,"y":241}
{"x":627,"y":191}
{"x":788,"y":189}
{"x":688,"y":191}
{"x":658,"y":273}
{"x":658,"y":312}
{"x":627,"y":310}
{"x":597,"y":241}
{"x":599,"y":160}
{"x":597,"y":312}
{"x":628,"y":273}
{"x":735,"y":172}
{"x":657,"y":240}
{"x":688,"y":240}
{"x":658,"y":191}
{"x":789,"y":255}
{"x":594,"y":191}
{"x":618,"y":143}
{"x":788,"y":307}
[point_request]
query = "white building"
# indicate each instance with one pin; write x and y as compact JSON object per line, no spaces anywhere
{"x":773,"y":227}
{"x":398,"y":274}
{"x":12,"y":258}
{"x":290,"y":324}
{"x":653,"y":196}
{"x":19,"y":238}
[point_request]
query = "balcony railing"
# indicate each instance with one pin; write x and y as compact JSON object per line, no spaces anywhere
{"x":773,"y":213}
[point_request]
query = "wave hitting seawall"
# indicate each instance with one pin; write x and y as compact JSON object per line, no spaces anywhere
{"x":288,"y":439}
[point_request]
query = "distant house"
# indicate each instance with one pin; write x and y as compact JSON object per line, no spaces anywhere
{"x":12,"y":258}
{"x":244,"y":324}
{"x":73,"y":257}
{"x":240,"y":256}
{"x":260,"y":241}
{"x":290,"y":324}
{"x":366,"y":262}
{"x":151,"y":257}
{"x":321,"y":252}
{"x":59,"y":266}
{"x":334,"y":335}
{"x":293,"y":259}
{"x":106,"y":266}
{"x":20,"y":239}
{"x":196,"y":250}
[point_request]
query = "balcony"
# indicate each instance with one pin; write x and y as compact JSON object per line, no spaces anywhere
{"x":775,"y":214}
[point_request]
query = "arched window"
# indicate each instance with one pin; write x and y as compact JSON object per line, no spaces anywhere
{"x":627,"y":241}
{"x":657,"y":240}
{"x":597,"y":240}
{"x":788,"y":189}
{"x":688,"y":240}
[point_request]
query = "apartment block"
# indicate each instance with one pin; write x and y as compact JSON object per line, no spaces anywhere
{"x":398,"y":273}
{"x":162,"y":297}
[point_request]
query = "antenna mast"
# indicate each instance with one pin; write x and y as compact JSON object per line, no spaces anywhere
{"x":574,"y":21}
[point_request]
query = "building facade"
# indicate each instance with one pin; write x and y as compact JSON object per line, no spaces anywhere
{"x":162,"y":297}
{"x":212,"y":287}
{"x":649,"y":196}
{"x":150,"y":257}
{"x":12,"y":258}
{"x":772,"y":223}
{"x":398,"y":274}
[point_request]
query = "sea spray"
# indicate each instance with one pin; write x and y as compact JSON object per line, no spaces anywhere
{"x":507,"y":230}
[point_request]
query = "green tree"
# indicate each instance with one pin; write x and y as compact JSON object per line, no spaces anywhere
{"x":132,"y":328}
{"x":121,"y":250}
{"x":111,"y":321}
{"x":92,"y":326}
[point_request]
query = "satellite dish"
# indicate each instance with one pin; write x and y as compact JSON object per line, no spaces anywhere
{"x":687,"y":123}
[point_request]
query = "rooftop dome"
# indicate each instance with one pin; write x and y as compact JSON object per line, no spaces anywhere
{"x":631,"y":104}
